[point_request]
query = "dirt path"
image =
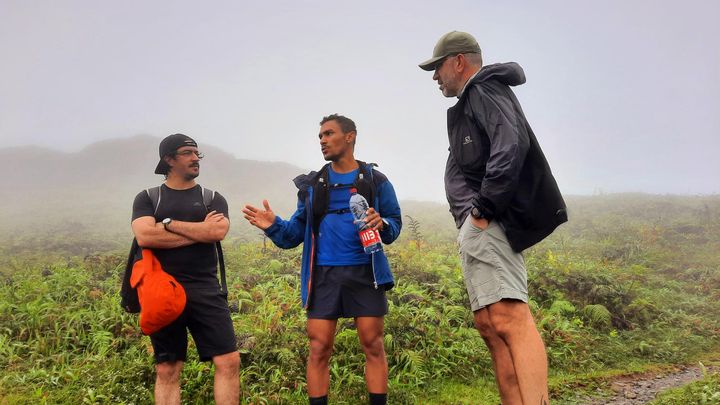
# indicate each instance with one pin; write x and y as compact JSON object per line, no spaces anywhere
{"x":642,"y":388}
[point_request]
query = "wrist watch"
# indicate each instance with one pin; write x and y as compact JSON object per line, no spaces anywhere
{"x":166,"y":222}
{"x":476,"y":213}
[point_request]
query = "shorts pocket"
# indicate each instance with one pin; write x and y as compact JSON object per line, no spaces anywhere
{"x":480,"y":279}
{"x":472,"y":242}
{"x":475,"y":227}
{"x":480,"y":266}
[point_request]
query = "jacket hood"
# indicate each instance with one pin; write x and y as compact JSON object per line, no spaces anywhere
{"x":510,"y":74}
{"x":304,"y":181}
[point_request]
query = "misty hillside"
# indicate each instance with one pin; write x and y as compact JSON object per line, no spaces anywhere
{"x":88,"y":195}
{"x":97,"y":185}
{"x":127,"y":164}
{"x":81,"y":202}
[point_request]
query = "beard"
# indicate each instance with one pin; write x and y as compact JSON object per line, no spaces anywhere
{"x":448,"y":93}
{"x":450,"y":86}
{"x":331,"y":157}
{"x":192,"y":176}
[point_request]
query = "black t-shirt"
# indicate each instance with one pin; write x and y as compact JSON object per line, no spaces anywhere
{"x":193,"y":265}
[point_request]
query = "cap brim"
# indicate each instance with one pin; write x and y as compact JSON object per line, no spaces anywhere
{"x":161,"y":167}
{"x":431,"y":64}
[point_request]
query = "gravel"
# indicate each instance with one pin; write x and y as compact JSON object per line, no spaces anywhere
{"x":643,"y":388}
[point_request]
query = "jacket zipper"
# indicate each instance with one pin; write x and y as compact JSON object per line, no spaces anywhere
{"x":372,"y":259}
{"x":312,"y":264}
{"x":372,"y":263}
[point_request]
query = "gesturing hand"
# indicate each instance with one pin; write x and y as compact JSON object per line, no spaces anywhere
{"x":260,"y":218}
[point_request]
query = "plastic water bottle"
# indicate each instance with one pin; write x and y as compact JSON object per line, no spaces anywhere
{"x":370,"y":238}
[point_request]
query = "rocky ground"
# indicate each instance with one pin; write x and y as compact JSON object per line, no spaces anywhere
{"x":642,"y":388}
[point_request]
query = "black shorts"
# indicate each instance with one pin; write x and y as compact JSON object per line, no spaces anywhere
{"x":207,"y":316}
{"x":345,"y":292}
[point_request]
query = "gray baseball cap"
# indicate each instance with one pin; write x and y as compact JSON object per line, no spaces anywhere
{"x":450,"y":44}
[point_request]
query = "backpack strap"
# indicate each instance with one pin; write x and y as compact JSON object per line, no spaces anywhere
{"x":221,"y":260}
{"x":208,"y":197}
{"x":155,"y":197}
{"x":366,"y":187}
{"x":128,"y":295}
{"x":154,"y":194}
{"x":321,"y":196}
{"x":365,"y":182}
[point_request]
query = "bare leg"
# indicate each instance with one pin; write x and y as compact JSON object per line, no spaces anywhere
{"x":370,"y":331}
{"x":227,"y":378}
{"x":501,"y":358}
{"x":514,"y":324}
{"x":321,"y":333}
{"x":167,"y":383}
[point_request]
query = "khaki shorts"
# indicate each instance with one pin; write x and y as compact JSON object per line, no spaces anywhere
{"x":492,"y":270}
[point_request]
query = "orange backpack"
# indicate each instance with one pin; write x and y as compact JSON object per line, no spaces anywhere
{"x":162,"y":298}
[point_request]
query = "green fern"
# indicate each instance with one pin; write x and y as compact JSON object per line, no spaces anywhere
{"x":597,"y":316}
{"x":562,"y":307}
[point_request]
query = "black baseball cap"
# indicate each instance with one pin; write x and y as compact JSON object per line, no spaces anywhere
{"x":170,"y":145}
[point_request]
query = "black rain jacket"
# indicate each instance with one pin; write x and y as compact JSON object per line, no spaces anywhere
{"x":497,"y":152}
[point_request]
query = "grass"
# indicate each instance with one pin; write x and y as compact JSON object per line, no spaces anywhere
{"x":705,"y":391}
{"x":611,"y":297}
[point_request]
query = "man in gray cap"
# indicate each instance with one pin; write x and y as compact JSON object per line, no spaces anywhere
{"x":504,"y":199}
{"x":182,"y":229}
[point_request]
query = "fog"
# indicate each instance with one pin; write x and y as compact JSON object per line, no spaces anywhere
{"x":623,"y":96}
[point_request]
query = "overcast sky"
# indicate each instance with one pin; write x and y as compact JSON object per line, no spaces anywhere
{"x":622,"y":95}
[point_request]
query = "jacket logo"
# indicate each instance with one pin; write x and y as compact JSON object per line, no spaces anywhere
{"x":467,"y":140}
{"x":196,"y":204}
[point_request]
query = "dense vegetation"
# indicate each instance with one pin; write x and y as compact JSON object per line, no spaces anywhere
{"x":630,"y":283}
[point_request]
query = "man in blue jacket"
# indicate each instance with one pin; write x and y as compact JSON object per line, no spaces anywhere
{"x":338,"y":279}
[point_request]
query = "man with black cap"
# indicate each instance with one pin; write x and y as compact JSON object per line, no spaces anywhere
{"x":504,"y":199}
{"x":182,"y":232}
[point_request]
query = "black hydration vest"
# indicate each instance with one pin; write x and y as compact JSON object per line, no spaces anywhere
{"x":366,"y":187}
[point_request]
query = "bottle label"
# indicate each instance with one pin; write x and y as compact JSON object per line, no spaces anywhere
{"x":368,"y":237}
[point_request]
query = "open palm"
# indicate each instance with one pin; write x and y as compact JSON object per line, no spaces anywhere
{"x":262,"y":218}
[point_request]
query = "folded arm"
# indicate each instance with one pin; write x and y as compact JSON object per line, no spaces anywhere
{"x":212,"y":229}
{"x":151,"y":234}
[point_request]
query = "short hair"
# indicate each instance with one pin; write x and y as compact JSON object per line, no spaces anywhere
{"x":474,"y":58}
{"x":346,"y":124}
